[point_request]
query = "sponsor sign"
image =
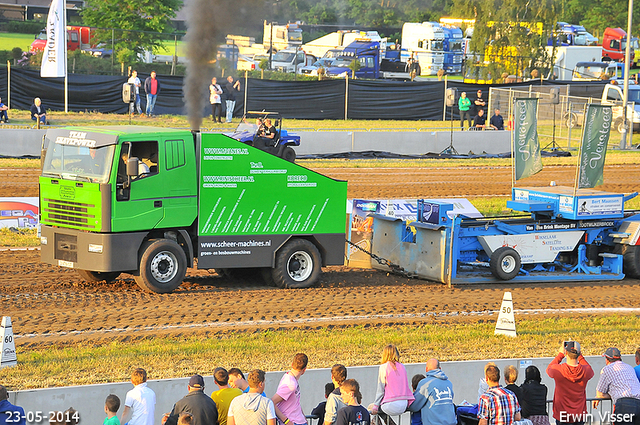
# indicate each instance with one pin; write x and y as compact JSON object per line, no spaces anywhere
{"x":54,"y":57}
{"x":534,"y":247}
{"x":599,"y":206}
{"x":19,"y":212}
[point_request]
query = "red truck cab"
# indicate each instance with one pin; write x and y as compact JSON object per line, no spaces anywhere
{"x":77,"y":38}
{"x":614,"y":44}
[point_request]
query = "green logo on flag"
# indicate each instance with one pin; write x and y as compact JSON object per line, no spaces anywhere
{"x":593,"y":149}
{"x":526,"y":149}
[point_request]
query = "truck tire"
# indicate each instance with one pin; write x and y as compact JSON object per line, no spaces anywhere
{"x":267,"y":276}
{"x":297,"y":265}
{"x":289,"y":154}
{"x":90,"y":276}
{"x":163,"y":265}
{"x":505,"y":263}
{"x":631,"y":260}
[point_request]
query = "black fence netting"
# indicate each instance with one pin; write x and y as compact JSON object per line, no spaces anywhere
{"x":364,"y":99}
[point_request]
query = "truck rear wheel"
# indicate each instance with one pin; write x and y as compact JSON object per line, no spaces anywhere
{"x":619,"y":125}
{"x":505,"y":263}
{"x":571,"y":119}
{"x":90,"y":276}
{"x":297,"y":265}
{"x":163,"y":266}
{"x":631,"y":260}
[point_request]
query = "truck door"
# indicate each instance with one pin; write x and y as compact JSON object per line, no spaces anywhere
{"x":73,"y":40}
{"x":138,"y":206}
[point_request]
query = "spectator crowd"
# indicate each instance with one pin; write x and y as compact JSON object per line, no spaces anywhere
{"x":240,"y":400}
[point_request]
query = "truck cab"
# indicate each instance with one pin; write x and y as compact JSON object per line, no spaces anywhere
{"x":613,"y":95}
{"x":289,"y":60}
{"x":614,"y":44}
{"x":595,"y":71}
{"x":425,"y":43}
{"x":367,"y":53}
{"x":77,"y":38}
{"x":453,"y":49}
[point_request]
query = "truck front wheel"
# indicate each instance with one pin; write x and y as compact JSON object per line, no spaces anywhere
{"x":93,"y":277}
{"x":297,"y":265}
{"x":163,"y":266}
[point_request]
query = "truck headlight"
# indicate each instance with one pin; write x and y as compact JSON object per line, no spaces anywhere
{"x":95,"y":248}
{"x":43,"y":240}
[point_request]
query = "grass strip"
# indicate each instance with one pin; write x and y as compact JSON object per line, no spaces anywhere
{"x":352,"y":346}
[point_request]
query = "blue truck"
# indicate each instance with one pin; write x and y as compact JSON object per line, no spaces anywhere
{"x":453,"y":49}
{"x":375,"y":62}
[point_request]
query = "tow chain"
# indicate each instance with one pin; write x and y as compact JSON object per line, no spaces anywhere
{"x":395,"y":268}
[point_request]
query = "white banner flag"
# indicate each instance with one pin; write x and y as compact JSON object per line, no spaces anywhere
{"x":54,"y":58}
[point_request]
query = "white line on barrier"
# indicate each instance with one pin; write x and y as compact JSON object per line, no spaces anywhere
{"x":333,"y":319}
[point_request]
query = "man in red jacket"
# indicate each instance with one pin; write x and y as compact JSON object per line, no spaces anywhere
{"x":570,"y":398}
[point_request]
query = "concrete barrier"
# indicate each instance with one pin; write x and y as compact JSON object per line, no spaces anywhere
{"x":465,"y":376}
{"x":23,"y":142}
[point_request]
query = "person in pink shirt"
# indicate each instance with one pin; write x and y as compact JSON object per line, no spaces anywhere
{"x":287,"y":396}
{"x":393,"y":393}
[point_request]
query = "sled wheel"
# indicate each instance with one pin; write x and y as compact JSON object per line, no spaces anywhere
{"x":505,"y":263}
{"x":631,"y":260}
{"x":90,"y":276}
{"x":163,"y":266}
{"x":297,"y":265}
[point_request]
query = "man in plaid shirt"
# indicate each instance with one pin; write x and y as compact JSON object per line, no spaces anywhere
{"x":619,"y":382}
{"x":498,"y":405}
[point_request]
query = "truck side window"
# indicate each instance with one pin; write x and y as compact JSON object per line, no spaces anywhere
{"x":174,"y":153}
{"x":612,"y":94}
{"x":615,"y":44}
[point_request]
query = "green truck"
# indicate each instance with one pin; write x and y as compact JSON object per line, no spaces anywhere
{"x":153,"y":202}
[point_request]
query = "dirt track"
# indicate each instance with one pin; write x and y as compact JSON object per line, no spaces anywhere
{"x":50,"y":304}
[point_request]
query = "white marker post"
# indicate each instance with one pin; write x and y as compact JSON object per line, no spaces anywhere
{"x":8,"y":357}
{"x":506,"y":324}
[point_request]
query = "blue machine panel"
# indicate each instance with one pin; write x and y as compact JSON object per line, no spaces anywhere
{"x":568,"y":203}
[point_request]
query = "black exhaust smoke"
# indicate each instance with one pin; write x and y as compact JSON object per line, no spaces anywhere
{"x":201,"y":51}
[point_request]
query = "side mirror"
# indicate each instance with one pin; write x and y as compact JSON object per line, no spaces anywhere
{"x":133,"y":164}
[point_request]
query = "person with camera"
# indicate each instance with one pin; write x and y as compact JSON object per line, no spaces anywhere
{"x":571,"y":377}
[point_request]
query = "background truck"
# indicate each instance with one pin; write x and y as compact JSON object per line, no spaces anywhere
{"x":612,"y":95}
{"x":291,"y":59}
{"x":338,"y":40}
{"x":281,"y":36}
{"x":77,"y":38}
{"x":425,"y":43}
{"x":373,"y":62}
{"x":573,"y":35}
{"x":567,"y":57}
{"x":453,"y":47}
{"x":198,"y":196}
{"x":614,"y":44}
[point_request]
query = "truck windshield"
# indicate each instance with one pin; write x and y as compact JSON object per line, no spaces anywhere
{"x":295,"y":36}
{"x":79,"y":163}
{"x":437,"y":45}
{"x":342,"y":62}
{"x":456,"y":46}
{"x":282,"y":56}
